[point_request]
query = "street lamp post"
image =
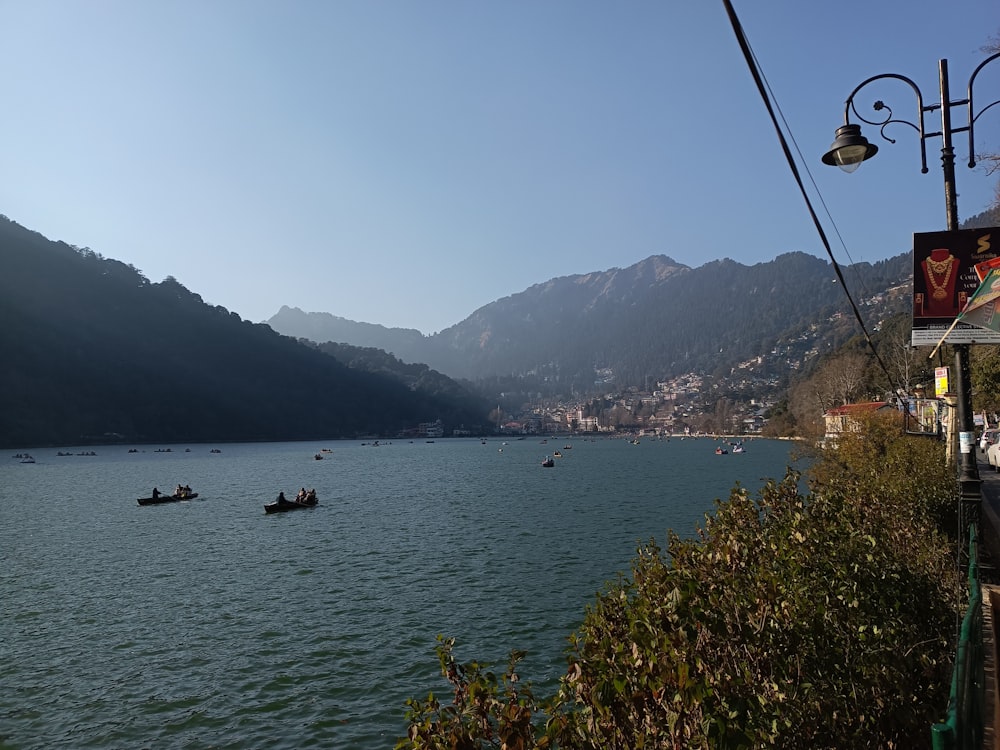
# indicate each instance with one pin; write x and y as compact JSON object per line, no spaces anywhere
{"x":851,"y":148}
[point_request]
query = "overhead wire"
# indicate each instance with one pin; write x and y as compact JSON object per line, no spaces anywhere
{"x":805,"y":166}
{"x":762,"y":89}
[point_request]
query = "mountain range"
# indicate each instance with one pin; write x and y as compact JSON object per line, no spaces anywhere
{"x":654,"y":320}
{"x":96,"y":352}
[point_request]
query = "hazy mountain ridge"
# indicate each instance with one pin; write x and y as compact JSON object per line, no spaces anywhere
{"x":656,"y":318}
{"x":95,"y":352}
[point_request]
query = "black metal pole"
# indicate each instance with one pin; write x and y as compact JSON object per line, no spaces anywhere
{"x":968,"y":469}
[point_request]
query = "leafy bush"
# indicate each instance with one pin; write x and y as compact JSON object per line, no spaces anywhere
{"x":484,"y":711}
{"x":820,"y":620}
{"x":884,"y":471}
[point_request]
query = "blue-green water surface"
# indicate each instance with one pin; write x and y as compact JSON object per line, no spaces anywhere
{"x":208,"y":624}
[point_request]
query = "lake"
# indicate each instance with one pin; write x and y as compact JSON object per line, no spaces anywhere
{"x":208,"y":624}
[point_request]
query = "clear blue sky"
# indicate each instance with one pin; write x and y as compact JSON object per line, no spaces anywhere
{"x":405,"y":163}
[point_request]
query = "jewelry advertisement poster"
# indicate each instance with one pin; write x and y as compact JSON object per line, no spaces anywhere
{"x":944,"y":278}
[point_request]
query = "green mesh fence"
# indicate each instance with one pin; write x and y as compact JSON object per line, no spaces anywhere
{"x":963,"y":727}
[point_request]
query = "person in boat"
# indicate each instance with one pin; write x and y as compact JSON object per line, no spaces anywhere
{"x":179,"y":491}
{"x":310,"y":497}
{"x":156,"y":493}
{"x":281,"y":497}
{"x":301,"y":496}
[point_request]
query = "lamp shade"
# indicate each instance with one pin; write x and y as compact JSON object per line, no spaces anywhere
{"x":849,"y":149}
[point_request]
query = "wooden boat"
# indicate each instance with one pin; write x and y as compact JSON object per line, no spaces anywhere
{"x":548,"y":463}
{"x":281,"y":506}
{"x":167,"y":499}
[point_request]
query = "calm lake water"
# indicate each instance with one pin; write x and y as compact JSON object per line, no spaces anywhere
{"x":208,"y":624}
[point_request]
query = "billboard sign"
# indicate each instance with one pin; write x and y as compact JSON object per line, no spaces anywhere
{"x":945,"y":278}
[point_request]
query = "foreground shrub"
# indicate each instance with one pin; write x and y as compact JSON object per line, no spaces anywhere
{"x":820,"y":620}
{"x":788,"y":623}
{"x":884,"y":472}
{"x":484,"y":711}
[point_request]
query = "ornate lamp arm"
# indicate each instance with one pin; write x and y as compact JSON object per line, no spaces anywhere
{"x":849,"y":107}
{"x":973,"y":115}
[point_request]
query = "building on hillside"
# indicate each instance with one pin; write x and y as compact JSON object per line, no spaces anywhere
{"x":423,"y":430}
{"x":844,"y":418}
{"x":431,"y":429}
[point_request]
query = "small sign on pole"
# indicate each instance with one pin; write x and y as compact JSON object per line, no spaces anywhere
{"x":940,"y":381}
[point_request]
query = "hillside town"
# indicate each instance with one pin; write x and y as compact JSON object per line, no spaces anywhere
{"x":673,"y":407}
{"x":736,"y":403}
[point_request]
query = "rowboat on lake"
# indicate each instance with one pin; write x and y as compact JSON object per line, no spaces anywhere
{"x":160,"y":499}
{"x":282,"y":505}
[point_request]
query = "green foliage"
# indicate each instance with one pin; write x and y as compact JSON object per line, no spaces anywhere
{"x":791,"y":622}
{"x":484,"y":712}
{"x":819,"y":620}
{"x":896,"y":478}
{"x":985,"y":370}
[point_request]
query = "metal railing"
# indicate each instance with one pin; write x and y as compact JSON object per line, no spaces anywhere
{"x":963,"y":727}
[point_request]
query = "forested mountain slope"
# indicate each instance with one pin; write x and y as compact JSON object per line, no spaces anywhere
{"x":94,"y":352}
{"x":655,"y":319}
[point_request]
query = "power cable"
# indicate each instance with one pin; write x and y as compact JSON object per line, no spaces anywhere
{"x":749,"y":57}
{"x":805,"y":165}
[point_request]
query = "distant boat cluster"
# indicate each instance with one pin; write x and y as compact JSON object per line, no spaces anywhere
{"x":308,"y":499}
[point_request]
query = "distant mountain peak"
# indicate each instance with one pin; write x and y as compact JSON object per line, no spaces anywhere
{"x":655,"y":318}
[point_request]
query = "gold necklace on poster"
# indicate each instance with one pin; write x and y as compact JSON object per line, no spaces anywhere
{"x":939,"y":274}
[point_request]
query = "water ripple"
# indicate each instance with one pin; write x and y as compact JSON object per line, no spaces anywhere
{"x":208,"y":624}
